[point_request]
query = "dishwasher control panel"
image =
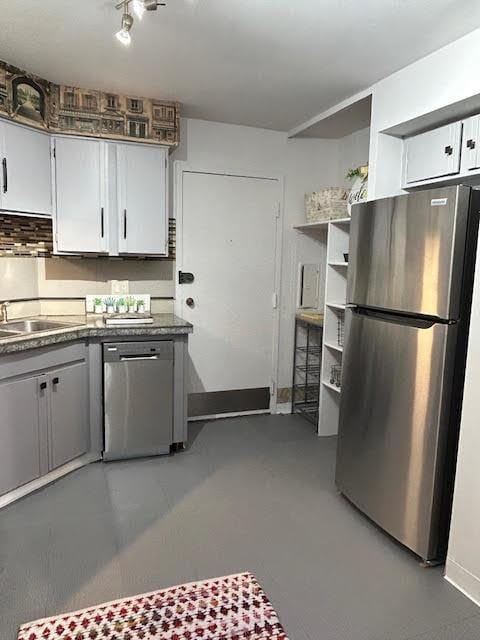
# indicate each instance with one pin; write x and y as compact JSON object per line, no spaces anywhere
{"x":113,"y":352}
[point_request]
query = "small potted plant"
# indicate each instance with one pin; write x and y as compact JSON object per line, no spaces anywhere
{"x":121,"y":305}
{"x":110,"y":304}
{"x":98,"y":305}
{"x":140,"y":305}
{"x":132,"y":305}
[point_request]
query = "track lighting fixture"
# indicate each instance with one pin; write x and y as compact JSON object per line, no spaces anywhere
{"x":124,"y":34}
{"x":139,"y":7}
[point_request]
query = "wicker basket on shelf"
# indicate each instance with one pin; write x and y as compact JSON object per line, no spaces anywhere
{"x":328,"y":203}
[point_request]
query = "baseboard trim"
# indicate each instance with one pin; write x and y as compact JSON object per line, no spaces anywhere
{"x":235,"y":414}
{"x":463,"y":580}
{"x":39,"y":483}
{"x":283,"y":408}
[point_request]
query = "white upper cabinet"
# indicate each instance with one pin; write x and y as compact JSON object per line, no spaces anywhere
{"x":110,"y":198}
{"x":433,"y":154}
{"x":80,"y":193}
{"x":470,"y":144}
{"x":25,"y":175}
{"x":142,"y":200}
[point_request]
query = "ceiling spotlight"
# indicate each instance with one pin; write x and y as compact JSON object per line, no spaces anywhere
{"x":124,"y":34}
{"x":139,"y":7}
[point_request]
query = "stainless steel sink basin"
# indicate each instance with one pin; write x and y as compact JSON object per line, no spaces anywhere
{"x":8,"y":334}
{"x":32,"y":326}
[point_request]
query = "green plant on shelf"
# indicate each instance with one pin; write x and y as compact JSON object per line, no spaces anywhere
{"x":110,"y":304}
{"x":358,"y":172}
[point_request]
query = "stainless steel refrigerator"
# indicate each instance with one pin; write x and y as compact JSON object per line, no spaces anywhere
{"x":406,"y":329}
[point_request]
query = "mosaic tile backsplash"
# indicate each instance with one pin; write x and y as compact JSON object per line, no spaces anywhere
{"x":33,"y":237}
{"x":25,"y":236}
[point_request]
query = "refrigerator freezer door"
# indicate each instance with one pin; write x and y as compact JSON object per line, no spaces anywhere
{"x":407,"y":253}
{"x":394,"y":418}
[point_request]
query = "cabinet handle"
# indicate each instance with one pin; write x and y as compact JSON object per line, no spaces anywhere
{"x":55,"y":380}
{"x":448,"y":150}
{"x":124,"y":224}
{"x":5,"y":175}
{"x":471,"y":144}
{"x":102,"y":226}
{"x":43,"y":386}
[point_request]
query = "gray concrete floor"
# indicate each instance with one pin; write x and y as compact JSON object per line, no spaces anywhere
{"x":250,"y":494}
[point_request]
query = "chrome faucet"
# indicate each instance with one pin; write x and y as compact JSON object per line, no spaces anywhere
{"x":4,"y":311}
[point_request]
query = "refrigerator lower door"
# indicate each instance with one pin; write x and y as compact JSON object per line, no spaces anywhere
{"x":394,"y":422}
{"x":407,"y":253}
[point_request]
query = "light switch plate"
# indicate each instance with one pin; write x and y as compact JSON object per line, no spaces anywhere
{"x":119,"y":287}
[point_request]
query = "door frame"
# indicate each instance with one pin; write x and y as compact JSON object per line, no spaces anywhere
{"x":181,"y":167}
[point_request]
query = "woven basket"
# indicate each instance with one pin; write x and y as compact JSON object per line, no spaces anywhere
{"x":328,"y":203}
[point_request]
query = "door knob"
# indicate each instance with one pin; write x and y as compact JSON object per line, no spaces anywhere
{"x":190,"y":302}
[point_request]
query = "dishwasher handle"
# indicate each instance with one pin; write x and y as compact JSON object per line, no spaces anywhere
{"x":130,"y":358}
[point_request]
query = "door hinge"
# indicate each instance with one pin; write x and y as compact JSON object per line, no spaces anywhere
{"x":278,"y":210}
{"x":272,"y":387}
{"x":275,"y":300}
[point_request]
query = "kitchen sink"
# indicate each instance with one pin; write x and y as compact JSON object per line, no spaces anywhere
{"x":31,"y":326}
{"x":8,"y":334}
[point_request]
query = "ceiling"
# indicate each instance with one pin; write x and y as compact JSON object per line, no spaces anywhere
{"x":263,"y":63}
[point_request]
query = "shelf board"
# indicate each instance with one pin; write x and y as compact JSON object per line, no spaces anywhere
{"x":335,"y":347}
{"x":338,"y":264}
{"x":336,"y":305}
{"x":331,"y":386}
{"x":312,"y":226}
{"x":321,"y":225}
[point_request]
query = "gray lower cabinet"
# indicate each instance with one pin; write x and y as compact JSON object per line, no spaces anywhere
{"x":69,"y":428}
{"x":20,"y":432}
{"x":45,"y":413}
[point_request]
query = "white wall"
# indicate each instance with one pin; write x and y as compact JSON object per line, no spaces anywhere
{"x":463,"y":562}
{"x":40,"y":278}
{"x":305,"y":165}
{"x":18,"y":279}
{"x":353,"y":152}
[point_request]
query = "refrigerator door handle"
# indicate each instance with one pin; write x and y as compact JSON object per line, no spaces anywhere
{"x":395,"y":318}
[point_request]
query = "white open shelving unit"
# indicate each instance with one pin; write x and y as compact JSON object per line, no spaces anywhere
{"x":334,"y":317}
{"x":337,"y":234}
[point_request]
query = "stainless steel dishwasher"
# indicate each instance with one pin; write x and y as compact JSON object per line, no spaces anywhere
{"x":138,"y":399}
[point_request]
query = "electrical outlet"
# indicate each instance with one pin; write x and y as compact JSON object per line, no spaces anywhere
{"x":119,"y":287}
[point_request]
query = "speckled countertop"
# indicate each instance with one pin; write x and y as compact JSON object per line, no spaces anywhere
{"x":90,"y":326}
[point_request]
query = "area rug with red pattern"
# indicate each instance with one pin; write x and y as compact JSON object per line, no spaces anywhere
{"x":233,"y":607}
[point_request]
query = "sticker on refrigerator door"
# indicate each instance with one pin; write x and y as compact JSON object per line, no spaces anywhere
{"x":438,"y":202}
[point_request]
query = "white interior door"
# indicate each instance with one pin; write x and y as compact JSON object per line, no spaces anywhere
{"x":229,"y":226}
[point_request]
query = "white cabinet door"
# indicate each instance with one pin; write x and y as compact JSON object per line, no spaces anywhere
{"x":470,"y":144}
{"x":433,"y":154}
{"x":26,"y":179}
{"x":142,"y":199}
{"x":80,"y":189}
